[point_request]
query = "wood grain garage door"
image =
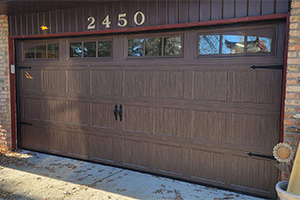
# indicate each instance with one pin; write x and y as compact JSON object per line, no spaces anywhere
{"x":191,"y":113}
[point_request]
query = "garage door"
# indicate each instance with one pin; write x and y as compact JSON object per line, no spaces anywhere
{"x":188,"y":104}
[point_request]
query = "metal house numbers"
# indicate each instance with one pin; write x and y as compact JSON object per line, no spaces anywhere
{"x":138,"y":18}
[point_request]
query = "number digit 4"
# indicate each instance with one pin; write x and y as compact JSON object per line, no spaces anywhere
{"x":106,"y":22}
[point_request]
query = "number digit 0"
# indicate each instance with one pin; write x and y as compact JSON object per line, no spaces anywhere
{"x":136,"y":16}
{"x":92,"y":23}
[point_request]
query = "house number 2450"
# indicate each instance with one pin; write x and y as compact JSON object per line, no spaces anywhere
{"x":122,"y":21}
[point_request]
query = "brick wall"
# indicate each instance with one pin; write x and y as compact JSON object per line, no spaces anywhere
{"x":5,"y":115}
{"x":292,"y":96}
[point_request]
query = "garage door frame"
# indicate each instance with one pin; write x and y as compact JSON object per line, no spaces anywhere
{"x":12,"y":39}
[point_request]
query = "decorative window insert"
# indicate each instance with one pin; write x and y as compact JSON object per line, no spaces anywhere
{"x":48,"y":51}
{"x":155,"y":46}
{"x":91,"y":49}
{"x":247,"y":42}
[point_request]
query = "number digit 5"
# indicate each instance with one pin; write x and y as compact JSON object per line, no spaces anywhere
{"x":121,"y":17}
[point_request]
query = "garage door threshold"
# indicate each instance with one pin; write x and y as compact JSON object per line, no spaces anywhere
{"x":31,"y":175}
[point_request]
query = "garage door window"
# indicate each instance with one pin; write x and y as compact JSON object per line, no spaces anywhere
{"x":155,"y":47}
{"x":136,"y":47}
{"x":29,"y":53}
{"x":233,"y":44}
{"x":258,"y":44}
{"x":209,"y":44}
{"x":52,"y":50}
{"x":172,"y":46}
{"x":104,"y":49}
{"x":42,"y":51}
{"x":244,"y":42}
{"x":91,"y":49}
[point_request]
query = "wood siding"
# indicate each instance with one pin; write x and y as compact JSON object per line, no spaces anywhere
{"x":161,"y":12}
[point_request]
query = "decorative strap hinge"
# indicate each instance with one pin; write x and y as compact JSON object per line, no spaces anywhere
{"x":25,"y":123}
{"x":267,"y":67}
{"x":261,"y":156}
{"x":21,"y":67}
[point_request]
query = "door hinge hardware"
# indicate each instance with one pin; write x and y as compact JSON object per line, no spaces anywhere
{"x":25,"y":123}
{"x":21,"y":67}
{"x":267,"y":67}
{"x":261,"y":156}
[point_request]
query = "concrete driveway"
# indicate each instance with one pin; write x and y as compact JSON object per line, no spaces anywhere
{"x":31,"y":175}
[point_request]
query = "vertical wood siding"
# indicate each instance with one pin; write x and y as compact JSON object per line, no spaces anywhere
{"x":160,"y":12}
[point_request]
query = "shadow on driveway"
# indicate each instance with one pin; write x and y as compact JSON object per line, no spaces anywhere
{"x":31,"y":175}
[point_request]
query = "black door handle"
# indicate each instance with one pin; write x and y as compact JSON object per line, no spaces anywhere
{"x":120,"y":112}
{"x":116,"y":112}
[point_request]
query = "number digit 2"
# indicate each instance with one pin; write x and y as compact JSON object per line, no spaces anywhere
{"x":92,"y":23}
{"x":135,"y":18}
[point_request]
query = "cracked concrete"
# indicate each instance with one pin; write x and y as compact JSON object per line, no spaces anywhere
{"x":31,"y":175}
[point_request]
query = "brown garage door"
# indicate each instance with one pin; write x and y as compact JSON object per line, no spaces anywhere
{"x":186,"y":104}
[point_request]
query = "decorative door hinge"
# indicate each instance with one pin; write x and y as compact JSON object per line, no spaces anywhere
{"x":261,"y":156}
{"x":267,"y":67}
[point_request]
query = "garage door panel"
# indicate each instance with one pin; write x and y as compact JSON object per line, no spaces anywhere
{"x":208,"y":165}
{"x":78,"y":81}
{"x":27,"y":136}
{"x":135,"y":153}
{"x":33,"y":137}
{"x":269,"y":82}
{"x":173,"y":122}
{"x":101,"y":148}
{"x":149,"y":84}
{"x":31,"y":109}
{"x":107,"y":83}
{"x":78,"y":112}
{"x":77,"y":144}
{"x":210,"y":85}
{"x":138,"y":119}
{"x":210,"y":126}
{"x":254,"y":131}
{"x":168,"y":159}
{"x":56,"y":140}
{"x":31,"y":80}
{"x":102,"y":116}
{"x":257,"y":86}
{"x":54,"y":111}
{"x":253,"y":173}
{"x":168,"y":84}
{"x":54,"y":81}
{"x":138,"y":83}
